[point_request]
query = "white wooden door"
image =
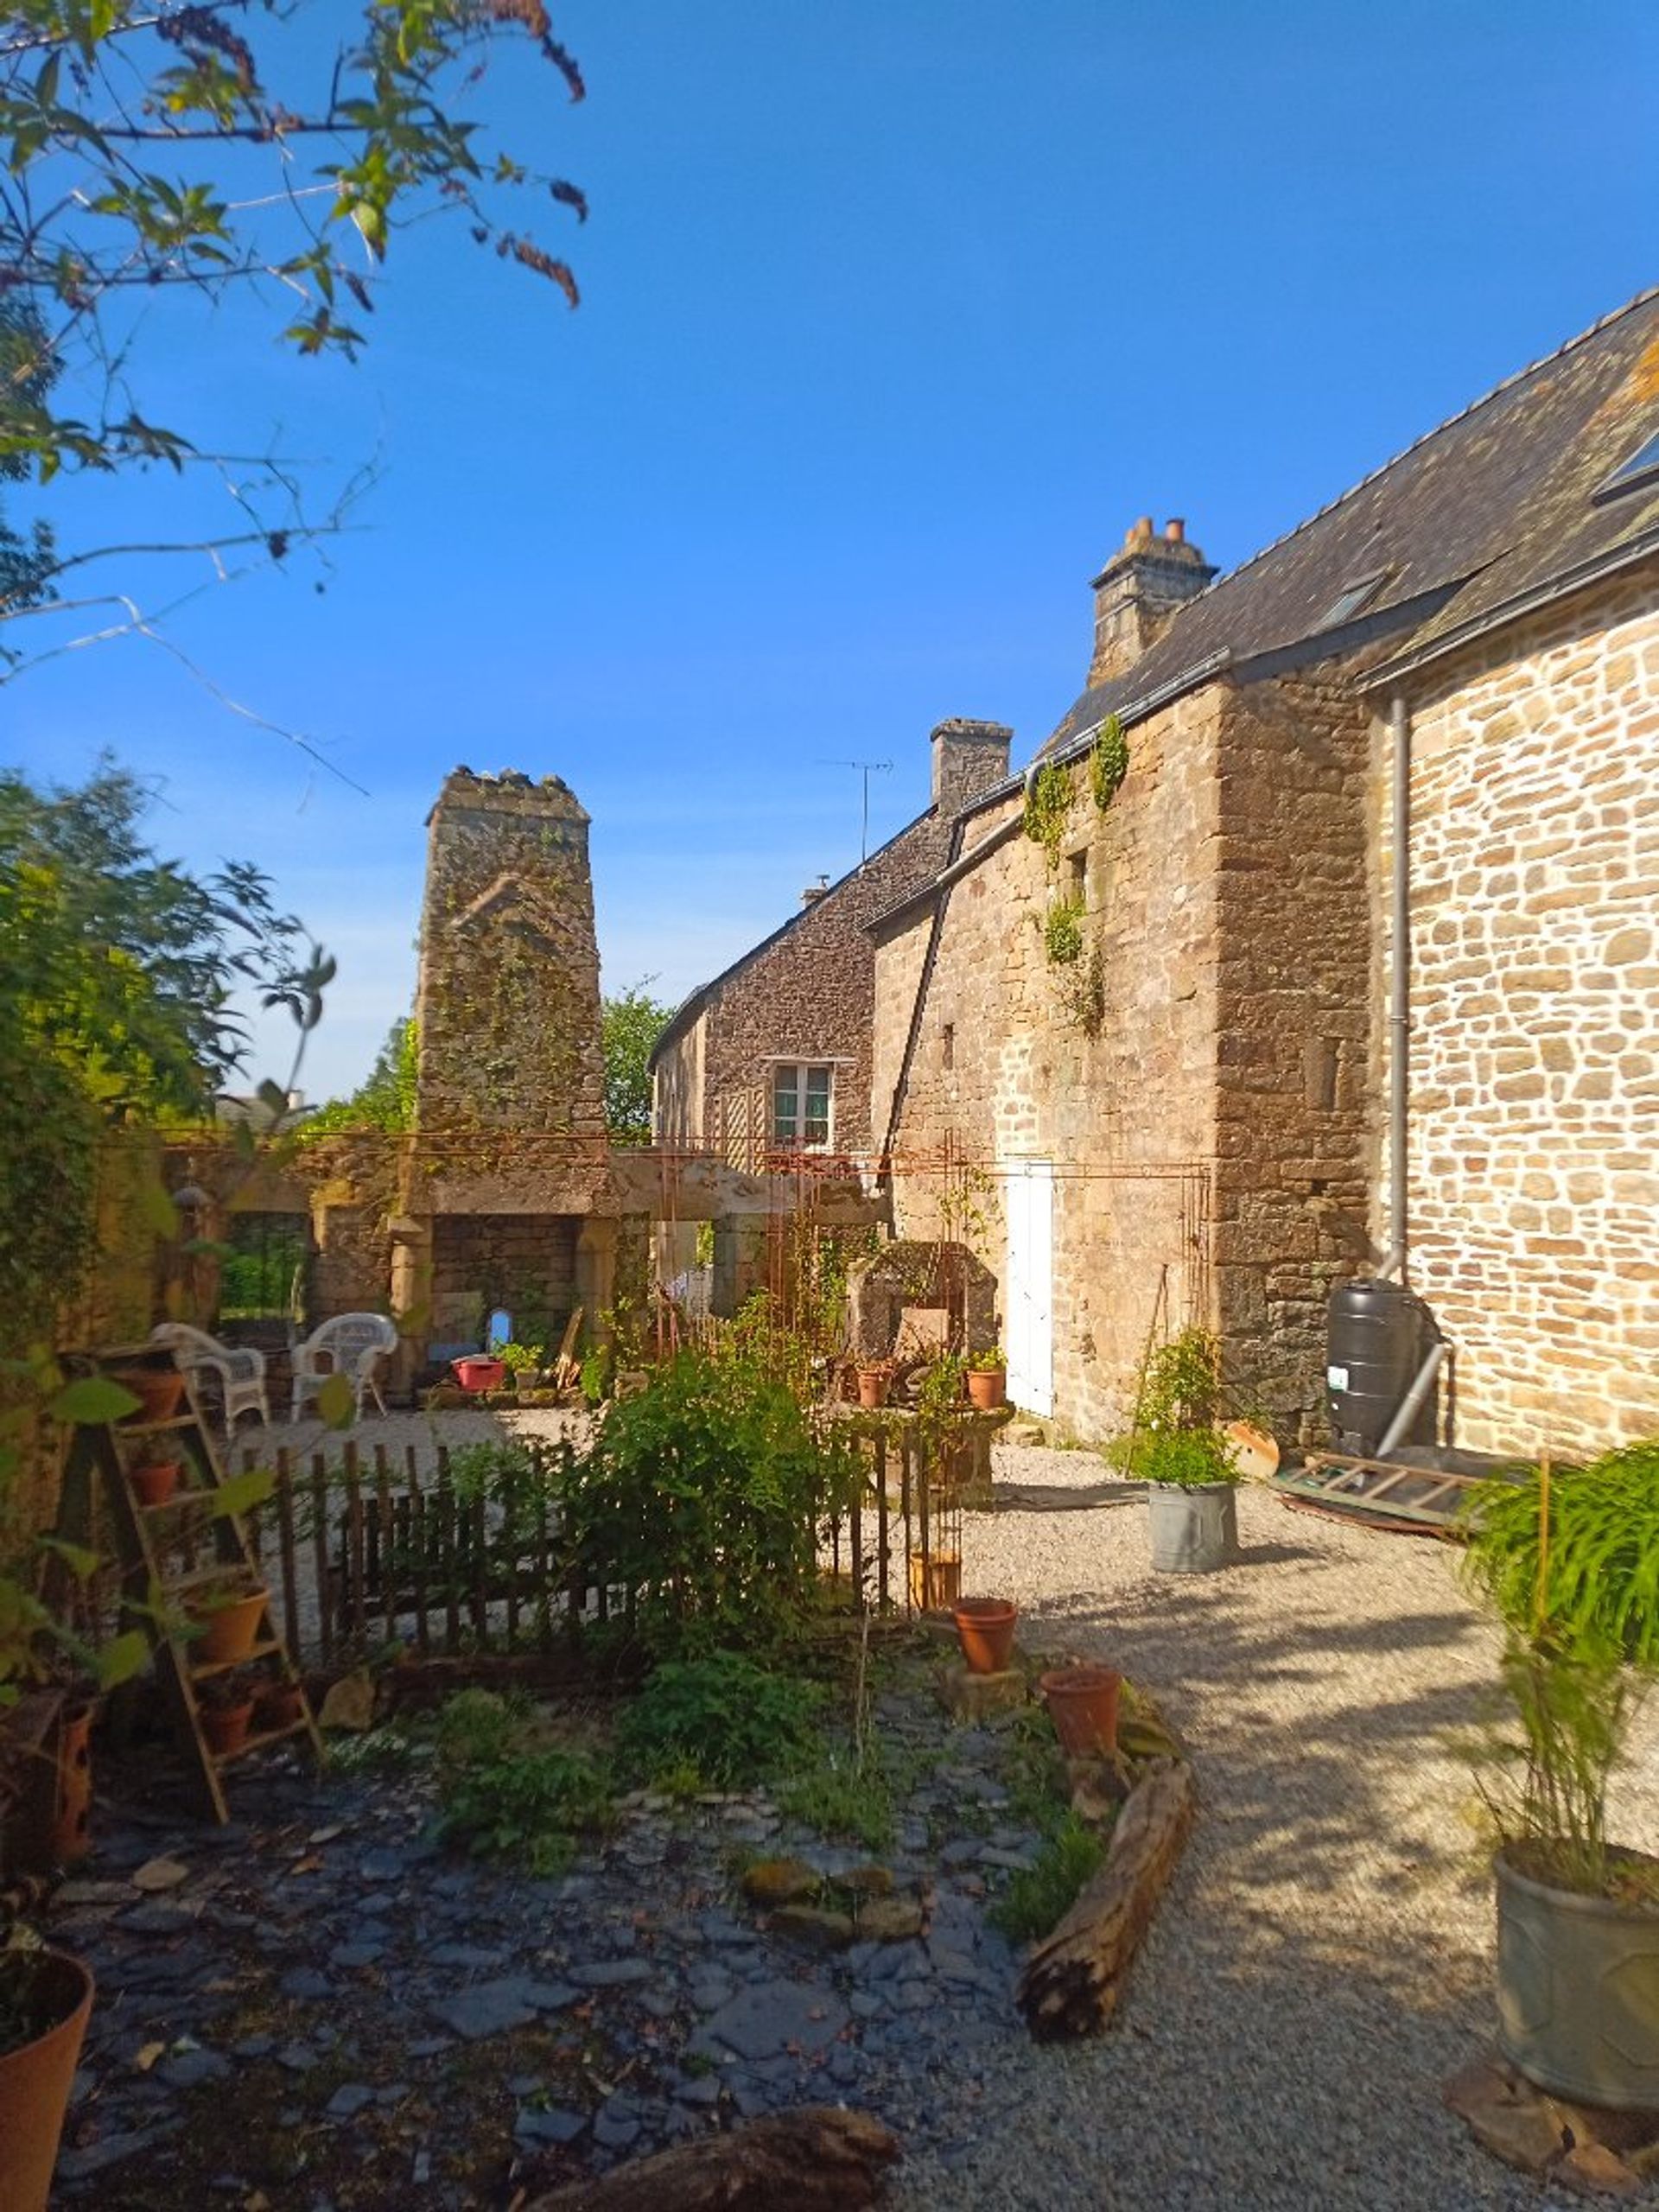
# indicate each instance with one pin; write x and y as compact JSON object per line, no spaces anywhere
{"x":1028,"y":1309}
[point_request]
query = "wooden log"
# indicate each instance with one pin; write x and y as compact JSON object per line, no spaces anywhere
{"x":818,"y":2158}
{"x":1074,"y":1977}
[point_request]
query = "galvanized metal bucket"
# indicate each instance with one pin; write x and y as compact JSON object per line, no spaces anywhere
{"x":1577,"y":1991}
{"x":1195,"y":1530}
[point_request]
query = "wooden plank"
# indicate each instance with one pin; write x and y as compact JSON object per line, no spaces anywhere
{"x":418,"y":1540}
{"x":285,"y":1549}
{"x":447,"y":1553}
{"x":882,"y":1546}
{"x":325,"y":1593}
{"x":390,"y":1565}
{"x":355,"y":1577}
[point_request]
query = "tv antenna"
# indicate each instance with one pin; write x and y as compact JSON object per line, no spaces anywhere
{"x":867,"y":769}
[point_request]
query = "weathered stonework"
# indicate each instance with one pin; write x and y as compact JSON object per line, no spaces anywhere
{"x":1534,"y":1043}
{"x":509,"y":990}
{"x":1199,"y":1077}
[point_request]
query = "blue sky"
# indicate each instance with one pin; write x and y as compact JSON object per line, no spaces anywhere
{"x":896,"y":313}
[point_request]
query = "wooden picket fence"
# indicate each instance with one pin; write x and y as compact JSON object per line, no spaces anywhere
{"x":366,"y":1546}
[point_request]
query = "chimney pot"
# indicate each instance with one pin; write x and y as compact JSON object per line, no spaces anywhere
{"x":1175,"y":529}
{"x":1141,"y":531}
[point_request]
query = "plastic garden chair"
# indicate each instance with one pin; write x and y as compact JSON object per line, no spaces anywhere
{"x":238,"y":1370}
{"x":352,"y":1345}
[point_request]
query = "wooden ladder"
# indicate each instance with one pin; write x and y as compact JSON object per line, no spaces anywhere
{"x":148,"y":1540}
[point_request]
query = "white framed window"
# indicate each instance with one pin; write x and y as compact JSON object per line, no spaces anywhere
{"x":803,"y":1095}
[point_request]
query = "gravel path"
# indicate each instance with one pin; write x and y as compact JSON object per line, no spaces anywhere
{"x":1323,"y":1959}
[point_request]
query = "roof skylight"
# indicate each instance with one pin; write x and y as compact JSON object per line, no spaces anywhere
{"x":1351,"y":600}
{"x":1641,"y":467}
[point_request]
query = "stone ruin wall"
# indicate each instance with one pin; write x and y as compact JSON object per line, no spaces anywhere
{"x":1534,"y":1089}
{"x":509,"y":986}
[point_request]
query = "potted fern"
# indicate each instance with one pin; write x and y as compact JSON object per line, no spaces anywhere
{"x":1570,"y":1564}
{"x":1184,"y":1459}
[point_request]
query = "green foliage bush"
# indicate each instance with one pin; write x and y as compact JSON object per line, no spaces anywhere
{"x":504,"y":1792}
{"x":701,"y":1495}
{"x":735,"y":1721}
{"x":1175,"y":1439}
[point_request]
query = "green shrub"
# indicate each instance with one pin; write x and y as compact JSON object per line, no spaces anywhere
{"x":733,"y":1721}
{"x":504,"y":1792}
{"x":1048,"y":809}
{"x":701,"y":1495}
{"x":1038,"y":1897}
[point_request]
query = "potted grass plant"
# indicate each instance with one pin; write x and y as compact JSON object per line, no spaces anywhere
{"x":1184,"y":1458}
{"x":1569,"y":1563}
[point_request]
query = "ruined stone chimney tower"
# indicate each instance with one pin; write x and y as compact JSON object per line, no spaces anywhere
{"x":1138,"y":590}
{"x":969,"y":758}
{"x":508,"y":1004}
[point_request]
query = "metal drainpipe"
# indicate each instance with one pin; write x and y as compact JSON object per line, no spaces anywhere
{"x":1399,"y":990}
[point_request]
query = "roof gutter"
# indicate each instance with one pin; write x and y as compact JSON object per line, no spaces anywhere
{"x":1628,"y":555}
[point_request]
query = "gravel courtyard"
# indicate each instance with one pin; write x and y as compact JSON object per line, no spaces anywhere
{"x":1323,"y":1959}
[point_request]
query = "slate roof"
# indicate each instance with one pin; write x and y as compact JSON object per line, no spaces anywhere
{"x":1487,"y":512}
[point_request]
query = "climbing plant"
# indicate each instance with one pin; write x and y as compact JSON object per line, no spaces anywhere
{"x":1063,"y":932}
{"x":1109,"y":762}
{"x":1048,"y":809}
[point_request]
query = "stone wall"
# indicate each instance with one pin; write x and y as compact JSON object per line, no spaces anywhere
{"x":525,"y":1262}
{"x":1105,"y":1067}
{"x":509,"y":986}
{"x":1534,"y":1082}
{"x":1293,"y":1024}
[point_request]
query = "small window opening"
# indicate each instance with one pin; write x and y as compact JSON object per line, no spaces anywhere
{"x":950,"y":1044}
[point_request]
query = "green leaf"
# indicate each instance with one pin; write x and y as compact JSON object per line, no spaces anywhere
{"x":93,"y":1399}
{"x":81,"y":1562}
{"x":337,"y":1402}
{"x":241,"y":1493}
{"x":119,"y":1661}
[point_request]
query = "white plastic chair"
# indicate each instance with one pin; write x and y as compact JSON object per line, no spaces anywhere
{"x":352,"y":1345}
{"x":238,"y":1370}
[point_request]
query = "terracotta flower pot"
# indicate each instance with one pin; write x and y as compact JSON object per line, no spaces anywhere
{"x":73,"y":1802}
{"x":35,"y":2084}
{"x":939,"y":1586}
{"x":230,"y":1629}
{"x":985,"y":1631}
{"x":225,"y":1726}
{"x":279,"y":1707}
{"x":156,"y":1482}
{"x":159,"y":1390}
{"x":873,"y":1387}
{"x":1082,"y":1704}
{"x":987,"y":1387}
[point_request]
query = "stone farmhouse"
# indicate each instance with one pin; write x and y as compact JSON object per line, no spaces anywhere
{"x":771,"y":1059}
{"x":1356,"y":967}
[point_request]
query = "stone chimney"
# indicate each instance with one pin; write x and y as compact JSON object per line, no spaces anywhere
{"x":1138,"y":590}
{"x":508,"y":1002}
{"x":814,"y":891}
{"x":969,"y":758}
